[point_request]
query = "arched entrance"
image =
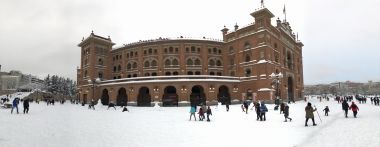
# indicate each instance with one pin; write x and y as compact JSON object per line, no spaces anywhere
{"x":290,"y":90}
{"x":224,"y":95}
{"x":197,"y":96}
{"x":143,"y":98}
{"x":105,"y":97}
{"x":249,"y":94}
{"x":170,"y":97}
{"x":122,"y":97}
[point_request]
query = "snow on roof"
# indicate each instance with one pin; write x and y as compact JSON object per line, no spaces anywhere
{"x":262,"y":61}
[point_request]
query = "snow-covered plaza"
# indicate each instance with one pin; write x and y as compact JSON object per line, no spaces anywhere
{"x":71,"y":125}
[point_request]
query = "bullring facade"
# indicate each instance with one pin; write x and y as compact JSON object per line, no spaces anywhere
{"x":186,"y":71}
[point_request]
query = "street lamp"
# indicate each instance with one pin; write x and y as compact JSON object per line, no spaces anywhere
{"x":93,"y":82}
{"x":276,"y":81}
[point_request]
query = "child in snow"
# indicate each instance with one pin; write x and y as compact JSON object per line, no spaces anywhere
{"x":286,"y":113}
{"x":208,"y":113}
{"x":354,"y":108}
{"x":201,"y":114}
{"x":192,"y":113}
{"x":26,"y":106}
{"x":327,"y":110}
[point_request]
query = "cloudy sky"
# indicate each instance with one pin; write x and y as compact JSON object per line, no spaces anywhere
{"x":341,"y":37}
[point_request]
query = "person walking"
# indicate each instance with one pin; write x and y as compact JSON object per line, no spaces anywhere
{"x":257,"y":109}
{"x":310,"y":114}
{"x":228,"y":106}
{"x":208,"y":113}
{"x":246,"y":104}
{"x":286,"y":113}
{"x":192,"y":113}
{"x":15,"y":104}
{"x":263,"y":110}
{"x":201,"y":114}
{"x":282,"y":106}
{"x":345,"y":107}
{"x":327,"y":110}
{"x":26,"y":106}
{"x":354,"y":108}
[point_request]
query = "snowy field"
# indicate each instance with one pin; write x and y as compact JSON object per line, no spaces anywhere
{"x":76,"y":126}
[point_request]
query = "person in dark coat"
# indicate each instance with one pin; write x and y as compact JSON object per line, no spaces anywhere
{"x":354,"y":109}
{"x":263,"y":110}
{"x":327,"y":110}
{"x":125,"y":109}
{"x":246,"y":104}
{"x":111,"y":105}
{"x":257,"y":109}
{"x":282,"y":106}
{"x":286,"y":113}
{"x":201,"y":114}
{"x":208,"y":113}
{"x":26,"y":106}
{"x":15,"y":104}
{"x":345,"y":107}
{"x":310,"y":114}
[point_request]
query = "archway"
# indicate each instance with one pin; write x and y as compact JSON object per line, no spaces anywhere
{"x":122,"y":97}
{"x":224,"y":95}
{"x":105,"y":97}
{"x":197,"y":96}
{"x":290,"y":90}
{"x":249,"y":94}
{"x":170,"y":97}
{"x":144,"y":97}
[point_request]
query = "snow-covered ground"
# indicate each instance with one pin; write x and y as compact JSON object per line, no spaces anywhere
{"x":76,"y":126}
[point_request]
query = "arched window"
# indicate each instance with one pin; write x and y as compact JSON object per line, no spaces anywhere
{"x":214,"y":50}
{"x":85,"y":73}
{"x":219,"y":73}
{"x":247,"y":45}
{"x":197,"y":73}
{"x":114,"y":69}
{"x":146,"y":74}
{"x":247,"y":72}
{"x":212,"y":73}
{"x":247,"y":58}
{"x":100,"y":61}
{"x":167,"y":73}
{"x":129,"y":66}
{"x":218,"y":63}
{"x":134,"y":65}
{"x":166,"y":50}
{"x":211,"y":63}
{"x":175,"y":62}
{"x":129,"y":76}
{"x":219,"y":51}
{"x":154,"y":63}
{"x":197,"y":62}
{"x":167,"y":62}
{"x":189,"y":73}
{"x":189,"y":62}
{"x":175,"y":73}
{"x":170,"y":49}
{"x":192,"y":49}
{"x":119,"y":68}
{"x":100,"y":75}
{"x":154,"y":74}
{"x":176,"y":50}
{"x":146,"y":64}
{"x":134,"y":75}
{"x":144,"y":52}
{"x":114,"y":77}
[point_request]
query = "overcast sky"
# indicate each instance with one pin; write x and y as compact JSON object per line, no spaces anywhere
{"x":40,"y":37}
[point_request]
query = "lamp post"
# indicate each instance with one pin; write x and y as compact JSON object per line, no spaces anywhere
{"x":276,"y":81}
{"x":93,"y":82}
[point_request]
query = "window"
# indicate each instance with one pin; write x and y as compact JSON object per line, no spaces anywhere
{"x":114,"y":69}
{"x":135,"y":53}
{"x":166,"y":50}
{"x":129,"y":76}
{"x":211,"y":63}
{"x":247,"y":58}
{"x":154,"y":74}
{"x":85,"y":73}
{"x":212,"y":73}
{"x":197,"y":73}
{"x":127,"y":55}
{"x":247,"y":45}
{"x":155,"y":51}
{"x":119,"y":77}
{"x":248,"y":72}
{"x":219,"y":51}
{"x":170,"y":49}
{"x":189,"y":73}
{"x":199,"y":50}
{"x":218,"y":63}
{"x":144,"y":52}
{"x":176,"y":50}
{"x":129,"y":66}
{"x":167,"y":62}
{"x":85,"y":61}
{"x":232,"y":73}
{"x":197,"y":62}
{"x":119,"y":68}
{"x":232,"y":49}
{"x":100,"y":75}
{"x":214,"y":50}
{"x":187,"y":49}
{"x":209,"y":50}
{"x":189,"y":62}
{"x":134,"y":75}
{"x":167,"y":73}
{"x":219,"y":73}
{"x":154,"y":63}
{"x":275,"y":45}
{"x":150,"y":51}
{"x":175,"y":62}
{"x":146,"y":64}
{"x":134,"y":65}
{"x":193,"y":49}
{"x":146,"y":74}
{"x":175,"y":73}
{"x":114,"y":77}
{"x":100,"y":61}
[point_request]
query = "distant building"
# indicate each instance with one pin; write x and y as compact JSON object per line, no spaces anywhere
{"x":16,"y":81}
{"x":194,"y":71}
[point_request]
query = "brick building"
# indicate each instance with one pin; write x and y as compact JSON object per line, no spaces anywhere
{"x":183,"y":71}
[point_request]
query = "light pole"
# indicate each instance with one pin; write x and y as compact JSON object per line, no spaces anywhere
{"x":93,"y":82}
{"x":276,"y":81}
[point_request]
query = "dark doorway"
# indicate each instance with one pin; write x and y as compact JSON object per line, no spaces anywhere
{"x":197,"y":96}
{"x":223,"y":95}
{"x":84,"y":98}
{"x":105,"y":97}
{"x":122,"y":97}
{"x":143,"y":98}
{"x":290,"y":90}
{"x":249,"y":94}
{"x":170,"y":97}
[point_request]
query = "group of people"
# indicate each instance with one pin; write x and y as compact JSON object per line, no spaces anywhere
{"x":201,"y":112}
{"x":375,"y":101}
{"x":353,"y":107}
{"x":15,"y":103}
